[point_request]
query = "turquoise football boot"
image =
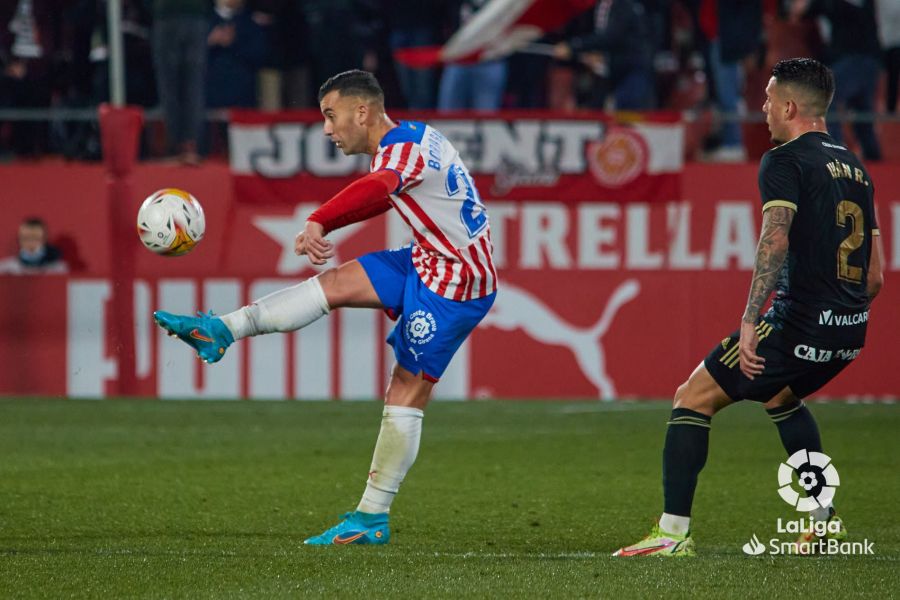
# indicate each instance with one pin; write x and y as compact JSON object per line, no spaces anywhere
{"x":205,"y":333}
{"x":355,"y":528}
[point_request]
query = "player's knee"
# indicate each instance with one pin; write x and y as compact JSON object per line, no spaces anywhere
{"x":684,"y":398}
{"x":690,"y":396}
{"x":402,"y":377}
{"x":408,"y":389}
{"x":785,"y":397}
{"x":679,"y":394}
{"x":332,"y":288}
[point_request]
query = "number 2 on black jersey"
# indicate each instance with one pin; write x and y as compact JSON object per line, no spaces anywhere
{"x":847,"y":209}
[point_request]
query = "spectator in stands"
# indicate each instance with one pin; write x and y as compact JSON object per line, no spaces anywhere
{"x":35,"y":255}
{"x":889,"y":31}
{"x":620,"y":48}
{"x":478,"y":86}
{"x":140,"y":82}
{"x":527,"y":84}
{"x":411,"y":27}
{"x":340,"y":36}
{"x":237,"y":49}
{"x":282,"y":77}
{"x":854,"y":54}
{"x":733,"y":30}
{"x":82,"y":64}
{"x":28,"y":43}
{"x":180,"y":28}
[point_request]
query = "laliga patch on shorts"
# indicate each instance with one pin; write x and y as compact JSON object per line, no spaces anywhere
{"x":420,"y":327}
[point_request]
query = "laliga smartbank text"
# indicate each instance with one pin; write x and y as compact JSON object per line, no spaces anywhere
{"x":817,"y":546}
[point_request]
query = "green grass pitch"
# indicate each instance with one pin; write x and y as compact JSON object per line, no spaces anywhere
{"x":163,"y":499}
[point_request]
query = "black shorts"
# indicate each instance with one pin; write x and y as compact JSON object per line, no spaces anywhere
{"x":804,"y":367}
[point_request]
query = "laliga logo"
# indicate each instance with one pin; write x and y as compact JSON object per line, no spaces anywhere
{"x":816,"y":475}
{"x":818,"y":478}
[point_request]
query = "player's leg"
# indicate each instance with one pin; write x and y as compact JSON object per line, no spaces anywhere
{"x":286,"y":310}
{"x":714,"y":384}
{"x":429,"y":331}
{"x":398,"y":440}
{"x":395,"y":452}
{"x":684,"y":455}
{"x":798,"y":431}
{"x":687,"y":445}
{"x":796,"y":425}
{"x":297,"y":306}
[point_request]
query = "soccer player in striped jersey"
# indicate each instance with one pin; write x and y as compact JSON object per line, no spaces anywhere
{"x":437,"y":289}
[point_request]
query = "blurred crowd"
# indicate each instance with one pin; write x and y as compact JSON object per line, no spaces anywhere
{"x":34,"y":254}
{"x":189,"y":56}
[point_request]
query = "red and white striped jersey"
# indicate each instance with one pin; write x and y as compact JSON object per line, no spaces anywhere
{"x":437,"y":198}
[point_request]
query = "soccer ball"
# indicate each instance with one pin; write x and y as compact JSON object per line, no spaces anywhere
{"x":171,"y":222}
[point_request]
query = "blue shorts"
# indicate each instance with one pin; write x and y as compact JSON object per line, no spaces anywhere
{"x":429,"y":328}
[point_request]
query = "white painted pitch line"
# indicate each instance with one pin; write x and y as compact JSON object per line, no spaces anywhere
{"x":493,"y":555}
{"x":577,"y":409}
{"x":587,"y":408}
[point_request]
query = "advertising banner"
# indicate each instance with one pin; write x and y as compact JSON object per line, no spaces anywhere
{"x":602,"y":295}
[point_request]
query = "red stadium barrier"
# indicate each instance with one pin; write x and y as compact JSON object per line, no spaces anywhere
{"x":597,"y":298}
{"x":120,"y":129}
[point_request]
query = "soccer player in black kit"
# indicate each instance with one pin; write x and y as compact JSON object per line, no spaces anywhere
{"x":820,"y":252}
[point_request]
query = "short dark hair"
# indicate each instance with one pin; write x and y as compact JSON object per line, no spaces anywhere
{"x":35,"y":222}
{"x":354,"y":83}
{"x":810,"y":75}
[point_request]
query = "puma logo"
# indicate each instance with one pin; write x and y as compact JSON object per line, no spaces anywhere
{"x":516,"y":308}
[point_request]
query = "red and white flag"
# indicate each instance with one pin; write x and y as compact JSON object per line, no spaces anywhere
{"x":499,"y":28}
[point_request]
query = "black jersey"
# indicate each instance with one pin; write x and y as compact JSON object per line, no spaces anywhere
{"x":821,"y":292}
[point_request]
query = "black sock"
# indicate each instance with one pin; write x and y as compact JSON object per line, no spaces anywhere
{"x":797,"y":427}
{"x":687,"y":442}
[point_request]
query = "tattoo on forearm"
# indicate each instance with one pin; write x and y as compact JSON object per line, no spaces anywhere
{"x":770,"y":255}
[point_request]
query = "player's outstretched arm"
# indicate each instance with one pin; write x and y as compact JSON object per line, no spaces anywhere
{"x":770,"y":255}
{"x":363,"y":199}
{"x":875,"y":275}
{"x":311,"y":242}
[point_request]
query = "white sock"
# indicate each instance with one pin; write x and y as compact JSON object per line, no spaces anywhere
{"x":675,"y":524}
{"x":285,"y":310}
{"x":395,"y":453}
{"x":822,"y":513}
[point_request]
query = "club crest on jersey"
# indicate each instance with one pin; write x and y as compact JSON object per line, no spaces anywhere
{"x":420,"y":327}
